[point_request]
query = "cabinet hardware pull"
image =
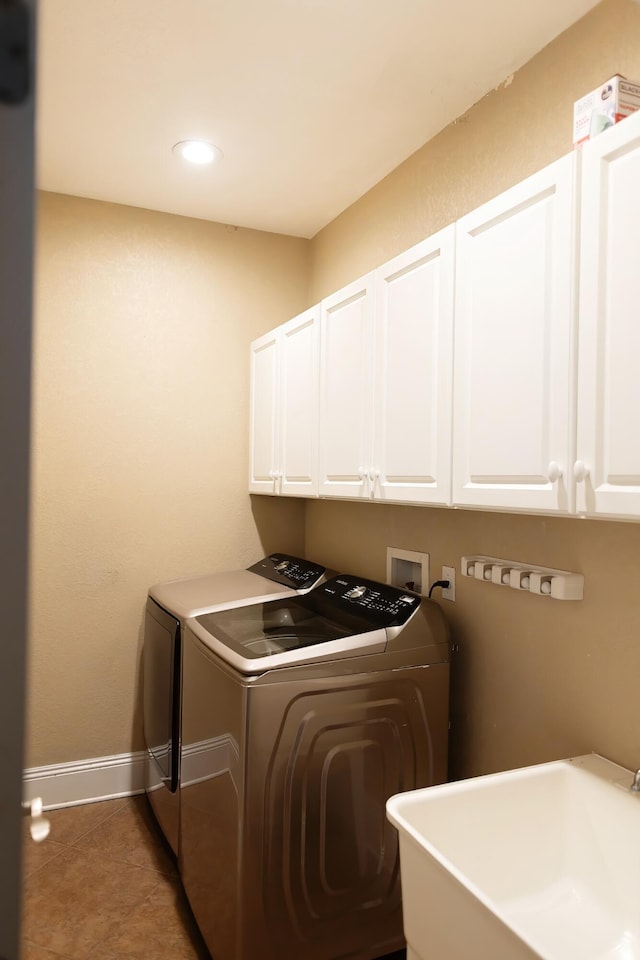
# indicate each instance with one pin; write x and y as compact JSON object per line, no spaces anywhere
{"x":580,"y":470}
{"x":554,"y":471}
{"x":374,"y":475}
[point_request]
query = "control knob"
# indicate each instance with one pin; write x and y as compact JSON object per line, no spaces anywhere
{"x":355,"y":592}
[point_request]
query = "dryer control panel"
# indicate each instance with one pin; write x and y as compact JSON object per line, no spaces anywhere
{"x":382,"y":605}
{"x":291,"y":571}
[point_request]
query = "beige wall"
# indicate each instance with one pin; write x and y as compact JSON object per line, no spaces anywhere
{"x":509,"y":134}
{"x":140,"y":424}
{"x":142,"y":327}
{"x":534,"y":680}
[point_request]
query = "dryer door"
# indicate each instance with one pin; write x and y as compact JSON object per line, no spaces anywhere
{"x":161,"y":656}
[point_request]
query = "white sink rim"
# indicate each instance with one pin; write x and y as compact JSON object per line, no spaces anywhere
{"x":399,"y":810}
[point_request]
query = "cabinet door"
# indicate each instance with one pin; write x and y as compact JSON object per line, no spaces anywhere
{"x":515,"y":302}
{"x":608,"y":448}
{"x":299,"y":375}
{"x":413,"y":347}
{"x":263,"y":428}
{"x":345,"y":390}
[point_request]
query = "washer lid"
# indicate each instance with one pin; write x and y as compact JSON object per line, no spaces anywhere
{"x":277,"y":575}
{"x":343,"y":617}
{"x":214,"y":591}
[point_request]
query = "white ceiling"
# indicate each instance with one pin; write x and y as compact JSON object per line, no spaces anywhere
{"x":311,"y":101}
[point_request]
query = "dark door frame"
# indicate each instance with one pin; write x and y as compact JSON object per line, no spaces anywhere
{"x":17,"y":100}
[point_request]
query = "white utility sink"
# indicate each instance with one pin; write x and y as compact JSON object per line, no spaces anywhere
{"x":538,"y":862}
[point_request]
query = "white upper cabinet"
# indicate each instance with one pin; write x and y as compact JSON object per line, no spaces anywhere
{"x":607,"y":467}
{"x":263,"y":427}
{"x":299,"y":376}
{"x":530,"y":402}
{"x":284,"y":409}
{"x":385,"y":382}
{"x":413,"y":368}
{"x":346,"y":390}
{"x":514,"y":315}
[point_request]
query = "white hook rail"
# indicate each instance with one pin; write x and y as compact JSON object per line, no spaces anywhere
{"x":543,"y":581}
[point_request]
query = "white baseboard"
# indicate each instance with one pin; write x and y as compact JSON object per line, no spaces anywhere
{"x":86,"y":781}
{"x":209,"y":758}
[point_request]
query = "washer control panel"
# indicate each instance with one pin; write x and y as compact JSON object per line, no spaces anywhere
{"x":291,"y":571}
{"x":381,"y":604}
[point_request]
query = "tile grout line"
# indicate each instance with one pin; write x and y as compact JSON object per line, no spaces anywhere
{"x":135,"y":836}
{"x":122,"y":920}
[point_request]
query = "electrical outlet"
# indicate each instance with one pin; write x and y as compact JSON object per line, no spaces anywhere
{"x":449,"y":573}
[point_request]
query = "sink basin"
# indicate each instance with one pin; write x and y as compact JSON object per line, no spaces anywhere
{"x":543,"y":861}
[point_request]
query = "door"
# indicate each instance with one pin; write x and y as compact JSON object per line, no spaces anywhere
{"x":298,"y":405}
{"x":413,"y":386}
{"x":515,"y":302}
{"x":283,"y":445}
{"x":16,"y":268}
{"x":346,"y":375}
{"x":263,"y":427}
{"x":161,"y":658}
{"x":608,"y":466}
{"x":161,"y":665}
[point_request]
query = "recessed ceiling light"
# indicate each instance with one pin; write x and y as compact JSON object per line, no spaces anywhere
{"x":197,"y":151}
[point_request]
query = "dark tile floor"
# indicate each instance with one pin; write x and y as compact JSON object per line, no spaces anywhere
{"x":104,"y":886}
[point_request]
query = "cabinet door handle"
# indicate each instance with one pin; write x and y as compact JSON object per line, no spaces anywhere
{"x":580,"y":470}
{"x":374,"y":475}
{"x":554,"y":471}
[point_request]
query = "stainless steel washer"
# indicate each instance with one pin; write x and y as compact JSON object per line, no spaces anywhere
{"x":168,"y":606}
{"x":300,"y":719}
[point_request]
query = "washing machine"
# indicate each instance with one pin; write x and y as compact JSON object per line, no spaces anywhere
{"x":301,"y":717}
{"x":168,"y":607}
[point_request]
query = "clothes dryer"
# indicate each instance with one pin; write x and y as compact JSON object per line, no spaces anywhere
{"x":168,"y":606}
{"x":301,"y":718}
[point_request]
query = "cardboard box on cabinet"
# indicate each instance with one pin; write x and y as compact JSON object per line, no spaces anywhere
{"x":604,"y":106}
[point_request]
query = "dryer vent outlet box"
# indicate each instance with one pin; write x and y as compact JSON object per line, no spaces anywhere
{"x":408,"y":570}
